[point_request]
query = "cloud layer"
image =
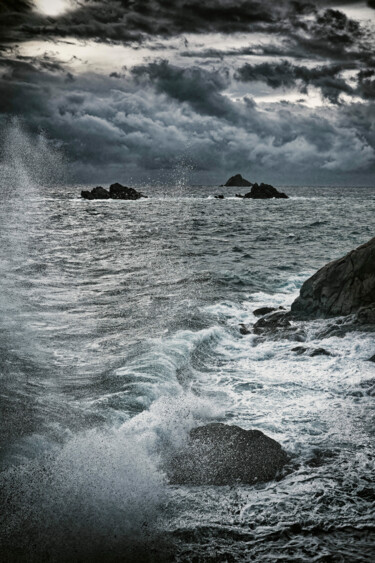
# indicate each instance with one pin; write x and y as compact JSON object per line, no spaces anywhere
{"x":294,"y":104}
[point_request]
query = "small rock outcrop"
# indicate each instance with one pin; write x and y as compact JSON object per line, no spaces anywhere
{"x":264,"y":191}
{"x":96,"y":193}
{"x":219,"y":196}
{"x":238,"y":181}
{"x":218,"y":454}
{"x":312,"y":352}
{"x":266,"y":310}
{"x":272,"y":323}
{"x":116,"y":191}
{"x":343,"y":287}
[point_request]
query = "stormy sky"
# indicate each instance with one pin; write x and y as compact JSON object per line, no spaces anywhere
{"x":145,"y":91}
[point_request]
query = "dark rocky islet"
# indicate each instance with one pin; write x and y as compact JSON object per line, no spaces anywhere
{"x":116,"y":191}
{"x":238,"y":181}
{"x":263,"y":191}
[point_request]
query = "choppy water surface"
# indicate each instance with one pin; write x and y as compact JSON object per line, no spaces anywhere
{"x":119,"y":332}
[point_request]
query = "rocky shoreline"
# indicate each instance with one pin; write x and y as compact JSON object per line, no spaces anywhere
{"x":342,"y":291}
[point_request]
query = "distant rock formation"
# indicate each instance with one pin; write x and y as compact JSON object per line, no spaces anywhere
{"x":116,"y":191}
{"x":238,"y":181}
{"x":342,"y":287}
{"x":219,"y":454}
{"x":264,"y":191}
{"x":96,"y":193}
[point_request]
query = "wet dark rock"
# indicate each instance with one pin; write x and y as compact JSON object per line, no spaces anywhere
{"x":240,"y":195}
{"x":219,"y":454}
{"x":244,"y":329}
{"x":311,"y":351}
{"x":266,"y":310}
{"x":219,"y":197}
{"x":319,"y":352}
{"x":116,"y":191}
{"x":299,"y":350}
{"x":342,"y":287}
{"x":96,"y":193}
{"x":264,"y":191}
{"x":372,"y":359}
{"x":272,"y":323}
{"x":86,"y":194}
{"x":366,"y":315}
{"x":238,"y":181}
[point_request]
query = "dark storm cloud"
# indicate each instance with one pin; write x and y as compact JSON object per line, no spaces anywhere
{"x":285,"y":74}
{"x":202,"y":89}
{"x":142,"y":120}
{"x":133,"y":20}
{"x":116,"y":127}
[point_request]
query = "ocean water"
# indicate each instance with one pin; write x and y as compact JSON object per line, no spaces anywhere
{"x":119,"y":332}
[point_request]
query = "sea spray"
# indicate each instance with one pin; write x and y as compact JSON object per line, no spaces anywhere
{"x":102,"y":490}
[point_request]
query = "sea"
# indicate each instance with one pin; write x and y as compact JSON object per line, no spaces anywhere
{"x":120,"y":332}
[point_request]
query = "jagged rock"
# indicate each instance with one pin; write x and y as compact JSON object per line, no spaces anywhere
{"x":312,"y":352}
{"x":243,"y":329}
{"x":266,"y":310}
{"x":272,"y":323}
{"x":342,"y":287}
{"x":219,"y":197}
{"x":238,"y":181}
{"x":366,"y":315}
{"x":96,"y":193}
{"x":372,"y":359}
{"x":300,"y":350}
{"x":264,"y":191}
{"x":319,"y":352}
{"x":116,"y":191}
{"x":218,"y":454}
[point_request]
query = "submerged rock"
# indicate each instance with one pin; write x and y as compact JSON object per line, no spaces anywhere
{"x":244,"y":329}
{"x":219,"y":196}
{"x":218,"y":454}
{"x":238,"y":181}
{"x":116,"y":191}
{"x":272,"y":323}
{"x":312,"y":352}
{"x":264,"y":191}
{"x":266,"y":310}
{"x":300,"y":350}
{"x":319,"y":352}
{"x":342,"y":287}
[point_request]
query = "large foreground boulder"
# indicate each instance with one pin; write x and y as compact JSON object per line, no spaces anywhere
{"x":264,"y":191}
{"x":342,"y":287}
{"x":238,"y":181}
{"x":218,"y":454}
{"x":116,"y":191}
